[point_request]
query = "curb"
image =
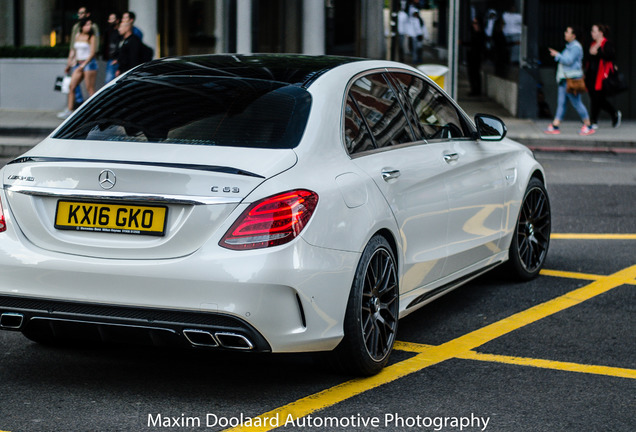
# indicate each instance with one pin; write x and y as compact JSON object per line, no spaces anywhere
{"x":575,"y":149}
{"x":579,"y":145}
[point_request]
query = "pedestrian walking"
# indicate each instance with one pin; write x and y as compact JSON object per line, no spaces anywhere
{"x":82,"y":13}
{"x":130,"y":17}
{"x":417,"y":33}
{"x":476,"y":50}
{"x":500,"y":49}
{"x":570,"y":68}
{"x":403,"y":39}
{"x":84,"y":65}
{"x":111,"y":46}
{"x":600,"y":61}
{"x":130,"y":48}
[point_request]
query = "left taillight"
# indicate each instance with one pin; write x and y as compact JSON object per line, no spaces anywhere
{"x":272,"y":221}
{"x":3,"y":224}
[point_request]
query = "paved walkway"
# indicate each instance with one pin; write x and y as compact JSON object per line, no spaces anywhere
{"x":530,"y":132}
{"x":19,"y":130}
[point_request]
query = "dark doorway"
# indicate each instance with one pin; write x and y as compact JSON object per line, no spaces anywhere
{"x":277,"y":26}
{"x":343,"y":26}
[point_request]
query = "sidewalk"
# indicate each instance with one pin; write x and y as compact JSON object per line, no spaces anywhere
{"x":28,"y":123}
{"x":530,"y":132}
{"x":20,"y":130}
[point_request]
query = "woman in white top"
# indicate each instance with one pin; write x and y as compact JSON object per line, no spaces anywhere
{"x":82,"y":62}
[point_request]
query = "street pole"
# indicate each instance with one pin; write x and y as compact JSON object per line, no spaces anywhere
{"x":527,"y":105}
{"x":395,"y":7}
{"x":453,"y":37}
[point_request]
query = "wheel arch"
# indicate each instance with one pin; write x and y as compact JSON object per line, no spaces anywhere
{"x":538,"y":175}
{"x":388,"y":236}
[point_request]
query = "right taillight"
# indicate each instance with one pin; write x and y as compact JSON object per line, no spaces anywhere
{"x":3,"y":225}
{"x":271,"y":221}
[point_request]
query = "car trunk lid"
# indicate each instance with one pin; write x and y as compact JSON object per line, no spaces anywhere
{"x":140,"y":201}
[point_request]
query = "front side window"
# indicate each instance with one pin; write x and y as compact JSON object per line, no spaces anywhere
{"x":435,"y":115}
{"x":380,"y":108}
{"x":195,"y":110}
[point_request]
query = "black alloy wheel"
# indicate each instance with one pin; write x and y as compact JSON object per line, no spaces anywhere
{"x":371,"y":318}
{"x":379,"y":301}
{"x":531,"y":238}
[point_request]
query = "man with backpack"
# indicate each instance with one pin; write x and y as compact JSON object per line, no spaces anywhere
{"x":132,"y":51}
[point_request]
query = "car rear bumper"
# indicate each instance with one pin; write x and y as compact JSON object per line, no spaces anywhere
{"x":147,"y":326}
{"x":285,"y":299}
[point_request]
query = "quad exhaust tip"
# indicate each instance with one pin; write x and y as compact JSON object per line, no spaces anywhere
{"x":204,"y":338}
{"x":10,"y":320}
{"x":200,"y":338}
{"x":234,"y":341}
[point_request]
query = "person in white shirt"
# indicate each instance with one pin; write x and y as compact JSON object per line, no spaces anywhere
{"x":82,"y":64}
{"x":402,"y":25}
{"x":416,"y":31}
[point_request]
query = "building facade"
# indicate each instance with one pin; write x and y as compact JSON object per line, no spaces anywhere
{"x":178,"y":27}
{"x":517,"y":70}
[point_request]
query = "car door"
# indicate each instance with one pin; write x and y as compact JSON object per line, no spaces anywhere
{"x":408,"y":173}
{"x":472,"y":175}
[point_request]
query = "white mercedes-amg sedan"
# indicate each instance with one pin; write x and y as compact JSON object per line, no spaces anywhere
{"x":262,"y":203}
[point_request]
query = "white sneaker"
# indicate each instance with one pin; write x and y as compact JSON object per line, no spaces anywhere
{"x":616,"y":122}
{"x":594,"y":126}
{"x":64,"y":114}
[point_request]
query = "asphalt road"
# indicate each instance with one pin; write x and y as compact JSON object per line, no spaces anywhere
{"x":554,"y":354}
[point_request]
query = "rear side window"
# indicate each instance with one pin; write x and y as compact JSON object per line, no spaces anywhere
{"x":357,"y":135}
{"x":381,"y":111}
{"x":434,"y":114}
{"x":211,"y":111}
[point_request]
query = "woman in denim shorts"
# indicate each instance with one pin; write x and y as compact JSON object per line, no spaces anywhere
{"x":83,"y":65}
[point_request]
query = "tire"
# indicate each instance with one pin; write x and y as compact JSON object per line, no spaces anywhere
{"x":531,"y":238}
{"x":371,"y":317}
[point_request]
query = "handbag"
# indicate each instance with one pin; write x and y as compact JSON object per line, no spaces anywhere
{"x":615,"y":82}
{"x":62,"y":84}
{"x":575,"y":86}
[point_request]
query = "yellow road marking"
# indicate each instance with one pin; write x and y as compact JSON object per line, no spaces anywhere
{"x":573,"y":236}
{"x":523,"y":361}
{"x":437,"y":354}
{"x":550,"y":364}
{"x":576,"y":275}
{"x":529,"y":316}
{"x":571,"y":275}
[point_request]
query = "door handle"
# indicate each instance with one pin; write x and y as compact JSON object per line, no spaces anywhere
{"x":451,"y":157}
{"x":390,"y":175}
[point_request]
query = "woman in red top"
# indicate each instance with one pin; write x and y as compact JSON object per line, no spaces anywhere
{"x":601,"y":58}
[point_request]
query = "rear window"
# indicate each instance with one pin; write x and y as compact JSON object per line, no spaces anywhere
{"x":211,"y":111}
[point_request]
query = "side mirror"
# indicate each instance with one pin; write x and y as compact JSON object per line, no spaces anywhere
{"x":490,"y":128}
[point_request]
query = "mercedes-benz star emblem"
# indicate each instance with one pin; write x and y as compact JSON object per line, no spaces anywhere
{"x":107,"y":179}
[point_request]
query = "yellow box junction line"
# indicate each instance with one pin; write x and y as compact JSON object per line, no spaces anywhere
{"x":572,"y":236}
{"x":576,"y":275}
{"x":523,"y":361}
{"x":456,"y":348}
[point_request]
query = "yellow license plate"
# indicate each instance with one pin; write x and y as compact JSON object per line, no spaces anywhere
{"x":111,"y":218}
